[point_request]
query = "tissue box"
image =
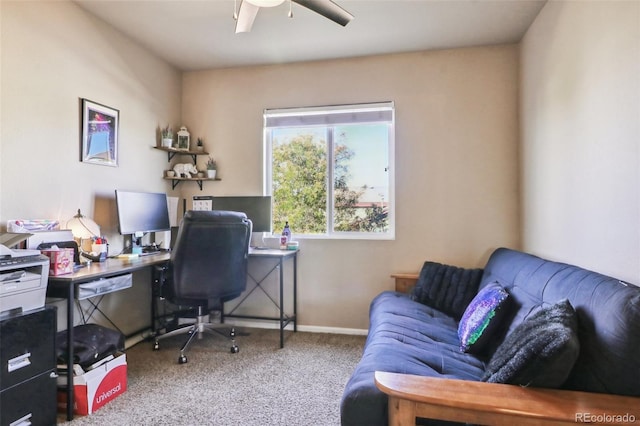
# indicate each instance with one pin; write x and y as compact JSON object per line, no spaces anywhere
{"x":95,"y":388}
{"x":60,"y":260}
{"x":272,"y":241}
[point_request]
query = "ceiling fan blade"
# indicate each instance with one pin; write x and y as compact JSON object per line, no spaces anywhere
{"x":246,"y":16}
{"x":328,"y":9}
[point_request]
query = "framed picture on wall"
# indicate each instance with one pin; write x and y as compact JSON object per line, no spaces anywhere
{"x":99,"y":140}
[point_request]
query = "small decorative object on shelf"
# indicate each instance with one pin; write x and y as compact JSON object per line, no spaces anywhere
{"x":182,"y":172}
{"x":183,"y":139}
{"x":185,"y":170}
{"x":200,"y":145}
{"x":211,"y":168}
{"x":167,"y":137}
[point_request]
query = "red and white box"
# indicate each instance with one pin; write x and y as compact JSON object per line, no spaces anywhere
{"x":60,"y":260}
{"x":96,"y":387}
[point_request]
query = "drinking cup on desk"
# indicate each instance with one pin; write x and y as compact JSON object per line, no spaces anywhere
{"x":99,"y":248}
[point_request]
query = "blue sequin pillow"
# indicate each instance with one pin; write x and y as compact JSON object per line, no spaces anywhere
{"x":482,"y":317}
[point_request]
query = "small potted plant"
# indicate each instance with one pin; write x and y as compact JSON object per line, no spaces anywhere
{"x":167,"y":137}
{"x":200,"y":145}
{"x":211,"y":168}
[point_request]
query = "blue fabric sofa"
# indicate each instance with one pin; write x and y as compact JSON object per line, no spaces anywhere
{"x":418,"y":334}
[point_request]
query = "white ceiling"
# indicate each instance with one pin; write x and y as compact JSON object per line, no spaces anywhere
{"x":200,"y":34}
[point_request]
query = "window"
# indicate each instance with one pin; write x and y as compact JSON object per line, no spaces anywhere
{"x":330,"y":170}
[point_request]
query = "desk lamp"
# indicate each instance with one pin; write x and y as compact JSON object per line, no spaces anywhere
{"x":83,"y":229}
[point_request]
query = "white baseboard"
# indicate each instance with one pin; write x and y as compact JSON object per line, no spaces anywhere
{"x":308,"y":328}
{"x":333,"y":330}
{"x":137,"y":338}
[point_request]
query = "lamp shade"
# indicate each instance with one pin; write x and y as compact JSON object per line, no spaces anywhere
{"x":82,"y":227}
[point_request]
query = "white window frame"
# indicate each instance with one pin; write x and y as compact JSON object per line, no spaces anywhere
{"x":378,"y":113}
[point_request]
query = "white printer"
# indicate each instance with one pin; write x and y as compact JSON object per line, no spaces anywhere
{"x":23,"y":279}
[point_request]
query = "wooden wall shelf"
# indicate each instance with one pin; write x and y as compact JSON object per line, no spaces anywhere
{"x":175,"y":181}
{"x":171,"y":152}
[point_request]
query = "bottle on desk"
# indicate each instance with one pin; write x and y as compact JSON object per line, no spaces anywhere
{"x":286,"y":236}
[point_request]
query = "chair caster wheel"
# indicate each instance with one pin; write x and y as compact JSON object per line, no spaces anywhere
{"x":235,"y":349}
{"x":182,"y":359}
{"x":156,"y":346}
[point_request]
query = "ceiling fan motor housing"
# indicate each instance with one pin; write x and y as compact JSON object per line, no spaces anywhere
{"x":266,"y":3}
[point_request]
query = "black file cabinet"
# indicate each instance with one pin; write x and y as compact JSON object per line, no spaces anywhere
{"x":28,"y":376}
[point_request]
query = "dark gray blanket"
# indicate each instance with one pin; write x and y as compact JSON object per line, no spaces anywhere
{"x":447,"y":288}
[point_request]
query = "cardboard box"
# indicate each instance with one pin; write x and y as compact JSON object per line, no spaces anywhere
{"x":60,"y":260}
{"x":96,"y":387}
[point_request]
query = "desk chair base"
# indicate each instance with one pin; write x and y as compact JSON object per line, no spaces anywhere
{"x":197,"y":329}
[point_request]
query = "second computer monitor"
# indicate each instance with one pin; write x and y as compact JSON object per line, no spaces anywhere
{"x":257,"y":208}
{"x":140,"y":213}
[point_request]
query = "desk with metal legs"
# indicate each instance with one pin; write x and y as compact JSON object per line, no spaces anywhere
{"x":66,"y":287}
{"x":284,"y":319}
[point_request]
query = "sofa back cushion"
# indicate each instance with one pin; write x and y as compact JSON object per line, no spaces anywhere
{"x":608,"y":316}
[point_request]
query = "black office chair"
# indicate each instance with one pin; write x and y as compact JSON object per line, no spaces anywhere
{"x":208,"y":267}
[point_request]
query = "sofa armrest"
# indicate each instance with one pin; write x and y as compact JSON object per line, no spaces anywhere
{"x":498,"y":404}
{"x":405,"y":282}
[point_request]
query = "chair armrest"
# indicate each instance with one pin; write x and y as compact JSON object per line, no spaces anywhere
{"x":405,"y":282}
{"x":498,"y":404}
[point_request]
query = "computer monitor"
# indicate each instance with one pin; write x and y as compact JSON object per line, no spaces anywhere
{"x":257,"y":208}
{"x":140,"y":213}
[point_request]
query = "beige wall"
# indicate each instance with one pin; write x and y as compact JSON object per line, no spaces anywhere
{"x":580,"y":114}
{"x":456,"y":160}
{"x":53,"y":54}
{"x":456,"y":145}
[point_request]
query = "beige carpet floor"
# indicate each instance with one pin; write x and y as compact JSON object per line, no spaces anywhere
{"x":262,"y":385}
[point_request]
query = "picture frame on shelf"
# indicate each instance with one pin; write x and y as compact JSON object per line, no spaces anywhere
{"x":99,"y":135}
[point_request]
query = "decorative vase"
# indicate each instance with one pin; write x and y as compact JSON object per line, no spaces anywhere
{"x":166,"y":142}
{"x":211,"y":174}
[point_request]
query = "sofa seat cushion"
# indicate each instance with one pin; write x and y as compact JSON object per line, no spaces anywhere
{"x":407,"y":337}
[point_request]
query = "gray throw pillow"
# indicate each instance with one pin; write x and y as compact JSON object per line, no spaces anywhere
{"x":540,"y":352}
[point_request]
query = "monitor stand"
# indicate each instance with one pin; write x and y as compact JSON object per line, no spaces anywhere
{"x":136,"y":243}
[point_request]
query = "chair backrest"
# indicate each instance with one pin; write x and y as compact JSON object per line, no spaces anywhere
{"x":209,"y":258}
